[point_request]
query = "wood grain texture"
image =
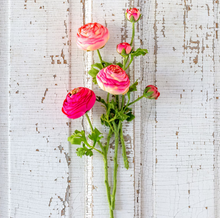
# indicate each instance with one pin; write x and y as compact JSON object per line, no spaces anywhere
{"x":4,"y":124}
{"x":172,"y":145}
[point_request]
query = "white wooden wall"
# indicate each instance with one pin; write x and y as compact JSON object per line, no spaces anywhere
{"x":173,"y":144}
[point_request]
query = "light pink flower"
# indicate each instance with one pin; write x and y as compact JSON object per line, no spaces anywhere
{"x":113,"y":79}
{"x":78,"y":102}
{"x":133,"y":12}
{"x":92,"y":36}
{"x":155,"y":94}
{"x":124,"y":45}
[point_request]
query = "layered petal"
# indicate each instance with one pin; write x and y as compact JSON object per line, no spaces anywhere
{"x":78,"y":102}
{"x":113,"y":79}
{"x":92,"y":36}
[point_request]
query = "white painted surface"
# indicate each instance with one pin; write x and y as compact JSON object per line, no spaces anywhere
{"x":173,"y":145}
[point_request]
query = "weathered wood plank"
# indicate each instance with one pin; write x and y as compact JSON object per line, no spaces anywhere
{"x":43,"y":167}
{"x":173,"y":145}
{"x":184,"y":149}
{"x":4,"y":141}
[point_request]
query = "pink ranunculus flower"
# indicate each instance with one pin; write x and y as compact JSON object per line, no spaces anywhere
{"x":113,"y":79}
{"x":78,"y":102}
{"x":124,"y":45}
{"x":133,"y":12}
{"x":92,"y":36}
{"x":155,"y":94}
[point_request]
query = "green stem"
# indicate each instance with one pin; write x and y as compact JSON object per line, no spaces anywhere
{"x":91,"y":127}
{"x":105,"y":153}
{"x":124,"y":62}
{"x":117,"y":101}
{"x":135,"y":100}
{"x":115,"y":164}
{"x":108,"y":98}
{"x":129,"y":63}
{"x":90,"y":124}
{"x":124,"y":155}
{"x":100,"y":57}
{"x":123,"y":101}
{"x":133,"y":33}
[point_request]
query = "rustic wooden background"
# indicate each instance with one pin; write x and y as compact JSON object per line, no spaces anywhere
{"x":173,"y":144}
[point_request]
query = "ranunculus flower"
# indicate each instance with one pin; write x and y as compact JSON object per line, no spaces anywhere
{"x":92,"y":36}
{"x":124,"y":45}
{"x":151,"y":92}
{"x":78,"y":102}
{"x":133,"y":12}
{"x":113,"y":79}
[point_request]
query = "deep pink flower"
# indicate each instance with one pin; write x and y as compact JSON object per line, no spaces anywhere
{"x":78,"y":102}
{"x":124,"y":45}
{"x":153,"y":89}
{"x":133,"y":12}
{"x":113,"y":79}
{"x":92,"y":36}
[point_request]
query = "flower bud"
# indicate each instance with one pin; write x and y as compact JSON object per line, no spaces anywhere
{"x":124,"y":45}
{"x":78,"y":102}
{"x":113,"y":79}
{"x":151,"y":92}
{"x":133,"y":14}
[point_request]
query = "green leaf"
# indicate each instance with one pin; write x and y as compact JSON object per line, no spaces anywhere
{"x":148,"y":94}
{"x":133,"y":87}
{"x":93,"y":72}
{"x":103,"y":120}
{"x":84,"y":151}
{"x":97,"y":65}
{"x":94,"y":80}
{"x":95,"y":135}
{"x":107,"y":64}
{"x":119,"y":64}
{"x":77,"y":137}
{"x":121,"y":115}
{"x":123,"y":53}
{"x":101,"y":100}
{"x":130,"y":116}
{"x":139,"y":52}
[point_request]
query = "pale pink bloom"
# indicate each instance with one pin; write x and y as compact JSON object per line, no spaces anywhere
{"x":133,"y":11}
{"x":113,"y":79}
{"x":92,"y":36}
{"x":78,"y":102}
{"x":124,"y":45}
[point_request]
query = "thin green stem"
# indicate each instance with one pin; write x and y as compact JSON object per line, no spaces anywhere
{"x":117,"y":100}
{"x":135,"y":100}
{"x":115,"y":164}
{"x":100,"y":57}
{"x":133,"y":33}
{"x":124,"y":155}
{"x":89,"y":121}
{"x":108,"y":98}
{"x":93,"y":148}
{"x":122,"y":101}
{"x":129,"y":63}
{"x":105,"y":153}
{"x":91,"y":127}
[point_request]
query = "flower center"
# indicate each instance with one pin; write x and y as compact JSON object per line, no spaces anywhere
{"x":74,"y":91}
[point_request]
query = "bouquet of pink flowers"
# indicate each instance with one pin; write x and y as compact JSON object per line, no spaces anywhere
{"x":112,"y":78}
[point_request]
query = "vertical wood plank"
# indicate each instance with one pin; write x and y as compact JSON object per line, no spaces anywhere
{"x":148,"y":109}
{"x":4,"y":124}
{"x":184,"y":149}
{"x":216,"y":136}
{"x":47,"y":179}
